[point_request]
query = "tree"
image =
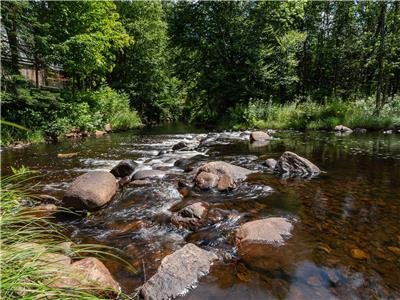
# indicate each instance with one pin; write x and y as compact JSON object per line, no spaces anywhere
{"x":86,"y":36}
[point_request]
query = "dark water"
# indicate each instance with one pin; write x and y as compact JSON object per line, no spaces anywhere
{"x":354,"y":206}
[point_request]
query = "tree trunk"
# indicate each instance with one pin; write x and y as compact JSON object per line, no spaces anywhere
{"x":381,"y":89}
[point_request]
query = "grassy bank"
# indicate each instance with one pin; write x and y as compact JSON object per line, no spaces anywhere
{"x":310,"y":115}
{"x":30,"y":248}
{"x":50,"y":114}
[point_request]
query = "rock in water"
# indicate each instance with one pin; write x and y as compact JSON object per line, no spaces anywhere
{"x":270,"y":163}
{"x":124,"y":168}
{"x":258,"y":136}
{"x":191,"y":216}
{"x":178,"y":272}
{"x":264,"y":231}
{"x":220,"y":174}
{"x":341,"y":128}
{"x":291,"y":164}
{"x":146,"y":174}
{"x":179,"y":146}
{"x":91,"y":190}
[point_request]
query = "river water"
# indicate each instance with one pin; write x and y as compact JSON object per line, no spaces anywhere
{"x":351,"y":208}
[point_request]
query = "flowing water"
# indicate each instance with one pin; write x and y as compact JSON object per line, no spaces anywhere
{"x":351,"y":208}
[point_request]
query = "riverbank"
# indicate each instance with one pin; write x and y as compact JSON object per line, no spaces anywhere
{"x":312,"y":115}
{"x":37,"y":260}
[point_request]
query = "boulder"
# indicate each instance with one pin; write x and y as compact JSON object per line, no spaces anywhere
{"x":219,"y":174}
{"x":88,"y":274}
{"x":90,"y":191}
{"x":270,"y":163}
{"x":341,"y":128}
{"x":258,"y":136}
{"x":205,"y":180}
{"x":264,"y":231}
{"x":291,"y":164}
{"x":178,"y":272}
{"x":147,"y":174}
{"x":179,"y":146}
{"x":124,"y":168}
{"x":191,"y":216}
{"x":108,"y":127}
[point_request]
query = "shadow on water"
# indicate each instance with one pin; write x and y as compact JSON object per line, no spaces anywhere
{"x":353,"y":208}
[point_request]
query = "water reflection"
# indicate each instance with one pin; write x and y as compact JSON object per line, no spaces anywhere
{"x":345,"y":243}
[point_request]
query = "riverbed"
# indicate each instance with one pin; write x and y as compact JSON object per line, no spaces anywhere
{"x":352,"y":207}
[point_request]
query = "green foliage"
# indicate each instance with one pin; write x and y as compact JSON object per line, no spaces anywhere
{"x":313,"y":115}
{"x":114,"y":109}
{"x":26,"y":238}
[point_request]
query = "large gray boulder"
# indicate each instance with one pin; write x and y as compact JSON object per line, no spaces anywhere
{"x":259,"y":136}
{"x":264,"y":231}
{"x":90,"y":191}
{"x":177,"y":273}
{"x":220,"y":174}
{"x":291,"y":164}
{"x":341,"y":128}
{"x":124,"y":168}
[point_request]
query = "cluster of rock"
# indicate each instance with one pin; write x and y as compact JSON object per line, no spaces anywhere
{"x":183,"y":268}
{"x":77,"y":133}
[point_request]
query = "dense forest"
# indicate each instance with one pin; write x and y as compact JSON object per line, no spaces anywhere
{"x":301,"y":65}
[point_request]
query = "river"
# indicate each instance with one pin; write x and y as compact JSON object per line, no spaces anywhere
{"x":354,"y":205}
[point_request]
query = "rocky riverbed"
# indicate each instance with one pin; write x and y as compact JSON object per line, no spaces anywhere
{"x":228,"y":215}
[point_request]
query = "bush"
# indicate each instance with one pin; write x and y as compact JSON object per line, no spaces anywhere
{"x":49,"y":115}
{"x":313,"y":116}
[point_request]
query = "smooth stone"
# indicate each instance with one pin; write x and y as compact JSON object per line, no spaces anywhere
{"x":108,"y":127}
{"x":178,"y":272}
{"x":265,"y":231}
{"x":219,"y":174}
{"x":257,"y":136}
{"x":342,"y":128}
{"x":147,"y":174}
{"x":270,"y":163}
{"x":91,"y":190}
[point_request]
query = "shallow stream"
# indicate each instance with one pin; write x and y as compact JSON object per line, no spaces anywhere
{"x":354,"y":205}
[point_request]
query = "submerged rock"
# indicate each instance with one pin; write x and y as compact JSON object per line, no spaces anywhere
{"x":220,"y":174}
{"x":91,"y":190}
{"x":147,"y":174}
{"x":259,"y":136}
{"x":264,"y":231}
{"x":341,"y":128}
{"x":291,"y":164}
{"x":124,"y":168}
{"x":178,"y":272}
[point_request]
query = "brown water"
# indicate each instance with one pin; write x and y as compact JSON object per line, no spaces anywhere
{"x":354,"y":205}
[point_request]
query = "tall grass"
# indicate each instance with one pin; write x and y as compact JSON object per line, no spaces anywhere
{"x":311,"y":115}
{"x":26,"y":240}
